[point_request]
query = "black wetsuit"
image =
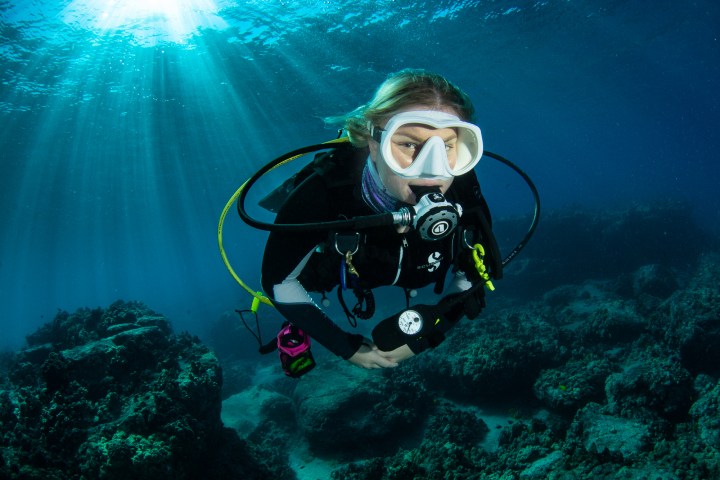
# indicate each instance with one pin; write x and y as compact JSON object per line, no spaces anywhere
{"x":299,"y":262}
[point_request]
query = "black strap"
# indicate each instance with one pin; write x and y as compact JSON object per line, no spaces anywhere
{"x":269,"y":347}
{"x":364,"y":309}
{"x":351,"y":318}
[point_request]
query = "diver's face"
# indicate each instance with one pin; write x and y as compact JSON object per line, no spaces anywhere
{"x":406,"y":143}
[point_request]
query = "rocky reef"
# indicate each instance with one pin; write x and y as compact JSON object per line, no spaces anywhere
{"x":114,"y":394}
{"x":587,"y":382}
{"x":608,"y":369}
{"x":597,"y":358}
{"x":572,"y":245}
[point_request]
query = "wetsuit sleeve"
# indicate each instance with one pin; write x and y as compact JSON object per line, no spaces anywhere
{"x":287,"y":254}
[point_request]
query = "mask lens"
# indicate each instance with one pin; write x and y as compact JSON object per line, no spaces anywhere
{"x":469,"y":149}
{"x":431,"y":161}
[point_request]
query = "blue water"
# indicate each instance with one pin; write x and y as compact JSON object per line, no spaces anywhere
{"x":126,"y":125}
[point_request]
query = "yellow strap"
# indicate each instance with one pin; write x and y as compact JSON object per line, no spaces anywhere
{"x":479,"y":256}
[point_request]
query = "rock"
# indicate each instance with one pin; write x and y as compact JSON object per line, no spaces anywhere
{"x":689,"y":320}
{"x":493,"y":360}
{"x":659,"y":385}
{"x":245,"y":411}
{"x":540,"y":468}
{"x":655,"y":280}
{"x":449,"y":450}
{"x":608,"y":322}
{"x":573,"y":245}
{"x":450,"y":423}
{"x":342,"y":408}
{"x":237,"y":376}
{"x":114,"y":394}
{"x":706,"y":413}
{"x":695,"y":315}
{"x":120,"y":327}
{"x":603,"y":434}
{"x":571,"y":386}
{"x":35,"y":354}
{"x":636,"y":360}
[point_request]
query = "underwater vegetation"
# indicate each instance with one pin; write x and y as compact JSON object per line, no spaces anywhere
{"x":598,"y":357}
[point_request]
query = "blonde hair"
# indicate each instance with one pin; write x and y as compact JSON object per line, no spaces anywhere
{"x":400,"y":90}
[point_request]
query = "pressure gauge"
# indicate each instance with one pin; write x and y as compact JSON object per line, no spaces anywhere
{"x":410,"y":322}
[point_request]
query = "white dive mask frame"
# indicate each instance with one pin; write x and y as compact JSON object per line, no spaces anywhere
{"x":431,"y":162}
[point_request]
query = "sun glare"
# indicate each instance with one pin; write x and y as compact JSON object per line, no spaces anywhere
{"x":147,"y":22}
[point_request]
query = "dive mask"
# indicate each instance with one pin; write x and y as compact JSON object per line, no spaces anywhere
{"x":431,"y":161}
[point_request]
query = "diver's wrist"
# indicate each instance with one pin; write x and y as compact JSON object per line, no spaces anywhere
{"x":354,"y":342}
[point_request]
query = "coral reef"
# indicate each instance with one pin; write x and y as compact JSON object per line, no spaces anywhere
{"x":358,"y":413}
{"x":114,"y":394}
{"x":600,"y":391}
{"x":610,"y":370}
{"x":572,"y":245}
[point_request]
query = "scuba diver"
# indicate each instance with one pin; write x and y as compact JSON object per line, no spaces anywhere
{"x":409,"y":153}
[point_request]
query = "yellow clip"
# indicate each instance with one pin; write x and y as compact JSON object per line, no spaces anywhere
{"x":478,"y":256}
{"x":351,"y":268}
{"x":257,"y":298}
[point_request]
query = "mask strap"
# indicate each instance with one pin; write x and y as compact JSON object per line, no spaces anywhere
{"x":375,"y":132}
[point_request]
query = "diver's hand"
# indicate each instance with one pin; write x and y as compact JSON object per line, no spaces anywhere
{"x":399,"y":354}
{"x":370,"y":356}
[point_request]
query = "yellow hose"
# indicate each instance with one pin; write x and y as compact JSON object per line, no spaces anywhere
{"x":258,"y":296}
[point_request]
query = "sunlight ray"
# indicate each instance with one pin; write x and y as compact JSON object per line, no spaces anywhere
{"x":146,"y":22}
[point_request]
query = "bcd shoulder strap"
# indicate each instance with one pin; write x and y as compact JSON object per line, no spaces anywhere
{"x":337,"y":167}
{"x":476,"y":216}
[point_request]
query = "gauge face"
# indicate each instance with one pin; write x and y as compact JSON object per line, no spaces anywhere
{"x":410,"y":322}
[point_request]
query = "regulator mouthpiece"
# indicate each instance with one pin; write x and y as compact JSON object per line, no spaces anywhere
{"x":433,"y":216}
